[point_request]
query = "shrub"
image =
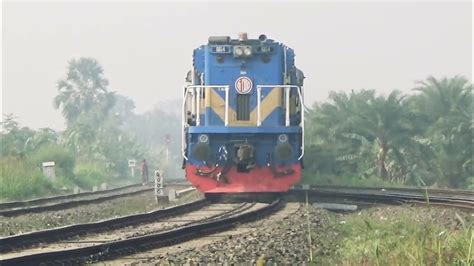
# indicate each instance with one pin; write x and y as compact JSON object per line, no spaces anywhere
{"x":21,"y":180}
{"x":89,"y":174}
{"x":63,"y":159}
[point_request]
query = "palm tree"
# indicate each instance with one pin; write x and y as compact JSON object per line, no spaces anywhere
{"x":353,"y":122}
{"x":387,"y":121}
{"x":83,"y":89}
{"x":445,"y":107}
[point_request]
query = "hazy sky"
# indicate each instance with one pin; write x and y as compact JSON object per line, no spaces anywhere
{"x":145,"y":48}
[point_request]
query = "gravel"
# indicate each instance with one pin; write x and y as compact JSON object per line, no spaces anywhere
{"x":285,"y":241}
{"x":282,"y":241}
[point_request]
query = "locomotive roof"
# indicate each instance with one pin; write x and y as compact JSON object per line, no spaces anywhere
{"x":229,"y":41}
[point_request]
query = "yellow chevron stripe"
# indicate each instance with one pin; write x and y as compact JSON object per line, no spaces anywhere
{"x":267,"y":105}
{"x":214,"y":100}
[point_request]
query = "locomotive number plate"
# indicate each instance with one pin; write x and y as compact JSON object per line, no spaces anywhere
{"x":243,"y":85}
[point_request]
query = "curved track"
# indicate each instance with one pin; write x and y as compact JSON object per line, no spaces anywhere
{"x":113,"y":238}
{"x":21,"y":241}
{"x":45,"y":200}
{"x":68,"y":201}
{"x":205,"y":220}
{"x":450,"y":198}
{"x":458,"y":194}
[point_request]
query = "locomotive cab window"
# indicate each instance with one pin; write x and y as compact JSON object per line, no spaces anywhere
{"x":243,"y":107}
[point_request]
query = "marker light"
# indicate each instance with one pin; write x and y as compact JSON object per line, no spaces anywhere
{"x":203,"y":138}
{"x":282,"y":138}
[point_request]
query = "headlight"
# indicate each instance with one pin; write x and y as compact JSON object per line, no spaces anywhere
{"x":282,"y":138}
{"x":238,"y":51}
{"x":248,"y":51}
{"x":203,"y":138}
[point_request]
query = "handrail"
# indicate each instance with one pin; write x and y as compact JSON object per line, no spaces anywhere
{"x":300,"y":94}
{"x":196,"y":103}
{"x":197,"y":95}
{"x":287,"y":100}
{"x":183,"y":125}
{"x":287,"y":109}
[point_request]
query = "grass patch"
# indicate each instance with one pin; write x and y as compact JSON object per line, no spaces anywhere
{"x":404,"y":238}
{"x":88,"y":174}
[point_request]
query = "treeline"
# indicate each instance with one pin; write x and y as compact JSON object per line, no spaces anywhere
{"x":102,"y":133}
{"x":359,"y":137}
{"x":423,"y":139}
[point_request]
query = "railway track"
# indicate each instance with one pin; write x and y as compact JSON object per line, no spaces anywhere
{"x":450,"y":198}
{"x":458,"y":193}
{"x":9,"y":209}
{"x":119,"y":237}
{"x":26,"y":240}
{"x":202,"y":219}
{"x":45,"y":200}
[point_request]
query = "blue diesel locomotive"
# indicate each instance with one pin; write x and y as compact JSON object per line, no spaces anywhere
{"x":243,"y":116}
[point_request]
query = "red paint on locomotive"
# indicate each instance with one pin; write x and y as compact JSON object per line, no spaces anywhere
{"x":260,"y":179}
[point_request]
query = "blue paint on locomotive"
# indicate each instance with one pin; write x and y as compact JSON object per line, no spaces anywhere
{"x":211,"y":118}
{"x":228,"y":71}
{"x":264,"y":143}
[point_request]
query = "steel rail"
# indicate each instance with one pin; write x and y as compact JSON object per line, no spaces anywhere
{"x":15,"y":242}
{"x":392,"y":196}
{"x":39,"y":201}
{"x":454,"y":192}
{"x":399,"y":194}
{"x":132,"y":245}
{"x":69,"y":204}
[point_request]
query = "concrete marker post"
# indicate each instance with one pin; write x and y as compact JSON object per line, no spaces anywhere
{"x":158,"y":185}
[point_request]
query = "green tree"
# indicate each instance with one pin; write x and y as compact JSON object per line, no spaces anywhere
{"x":85,"y":102}
{"x":363,"y":129}
{"x":327,"y":127}
{"x":42,"y":137}
{"x":83,"y":90}
{"x":123,"y":108}
{"x":444,"y":108}
{"x":387,"y":120}
{"x":150,"y":130}
{"x":14,"y":139}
